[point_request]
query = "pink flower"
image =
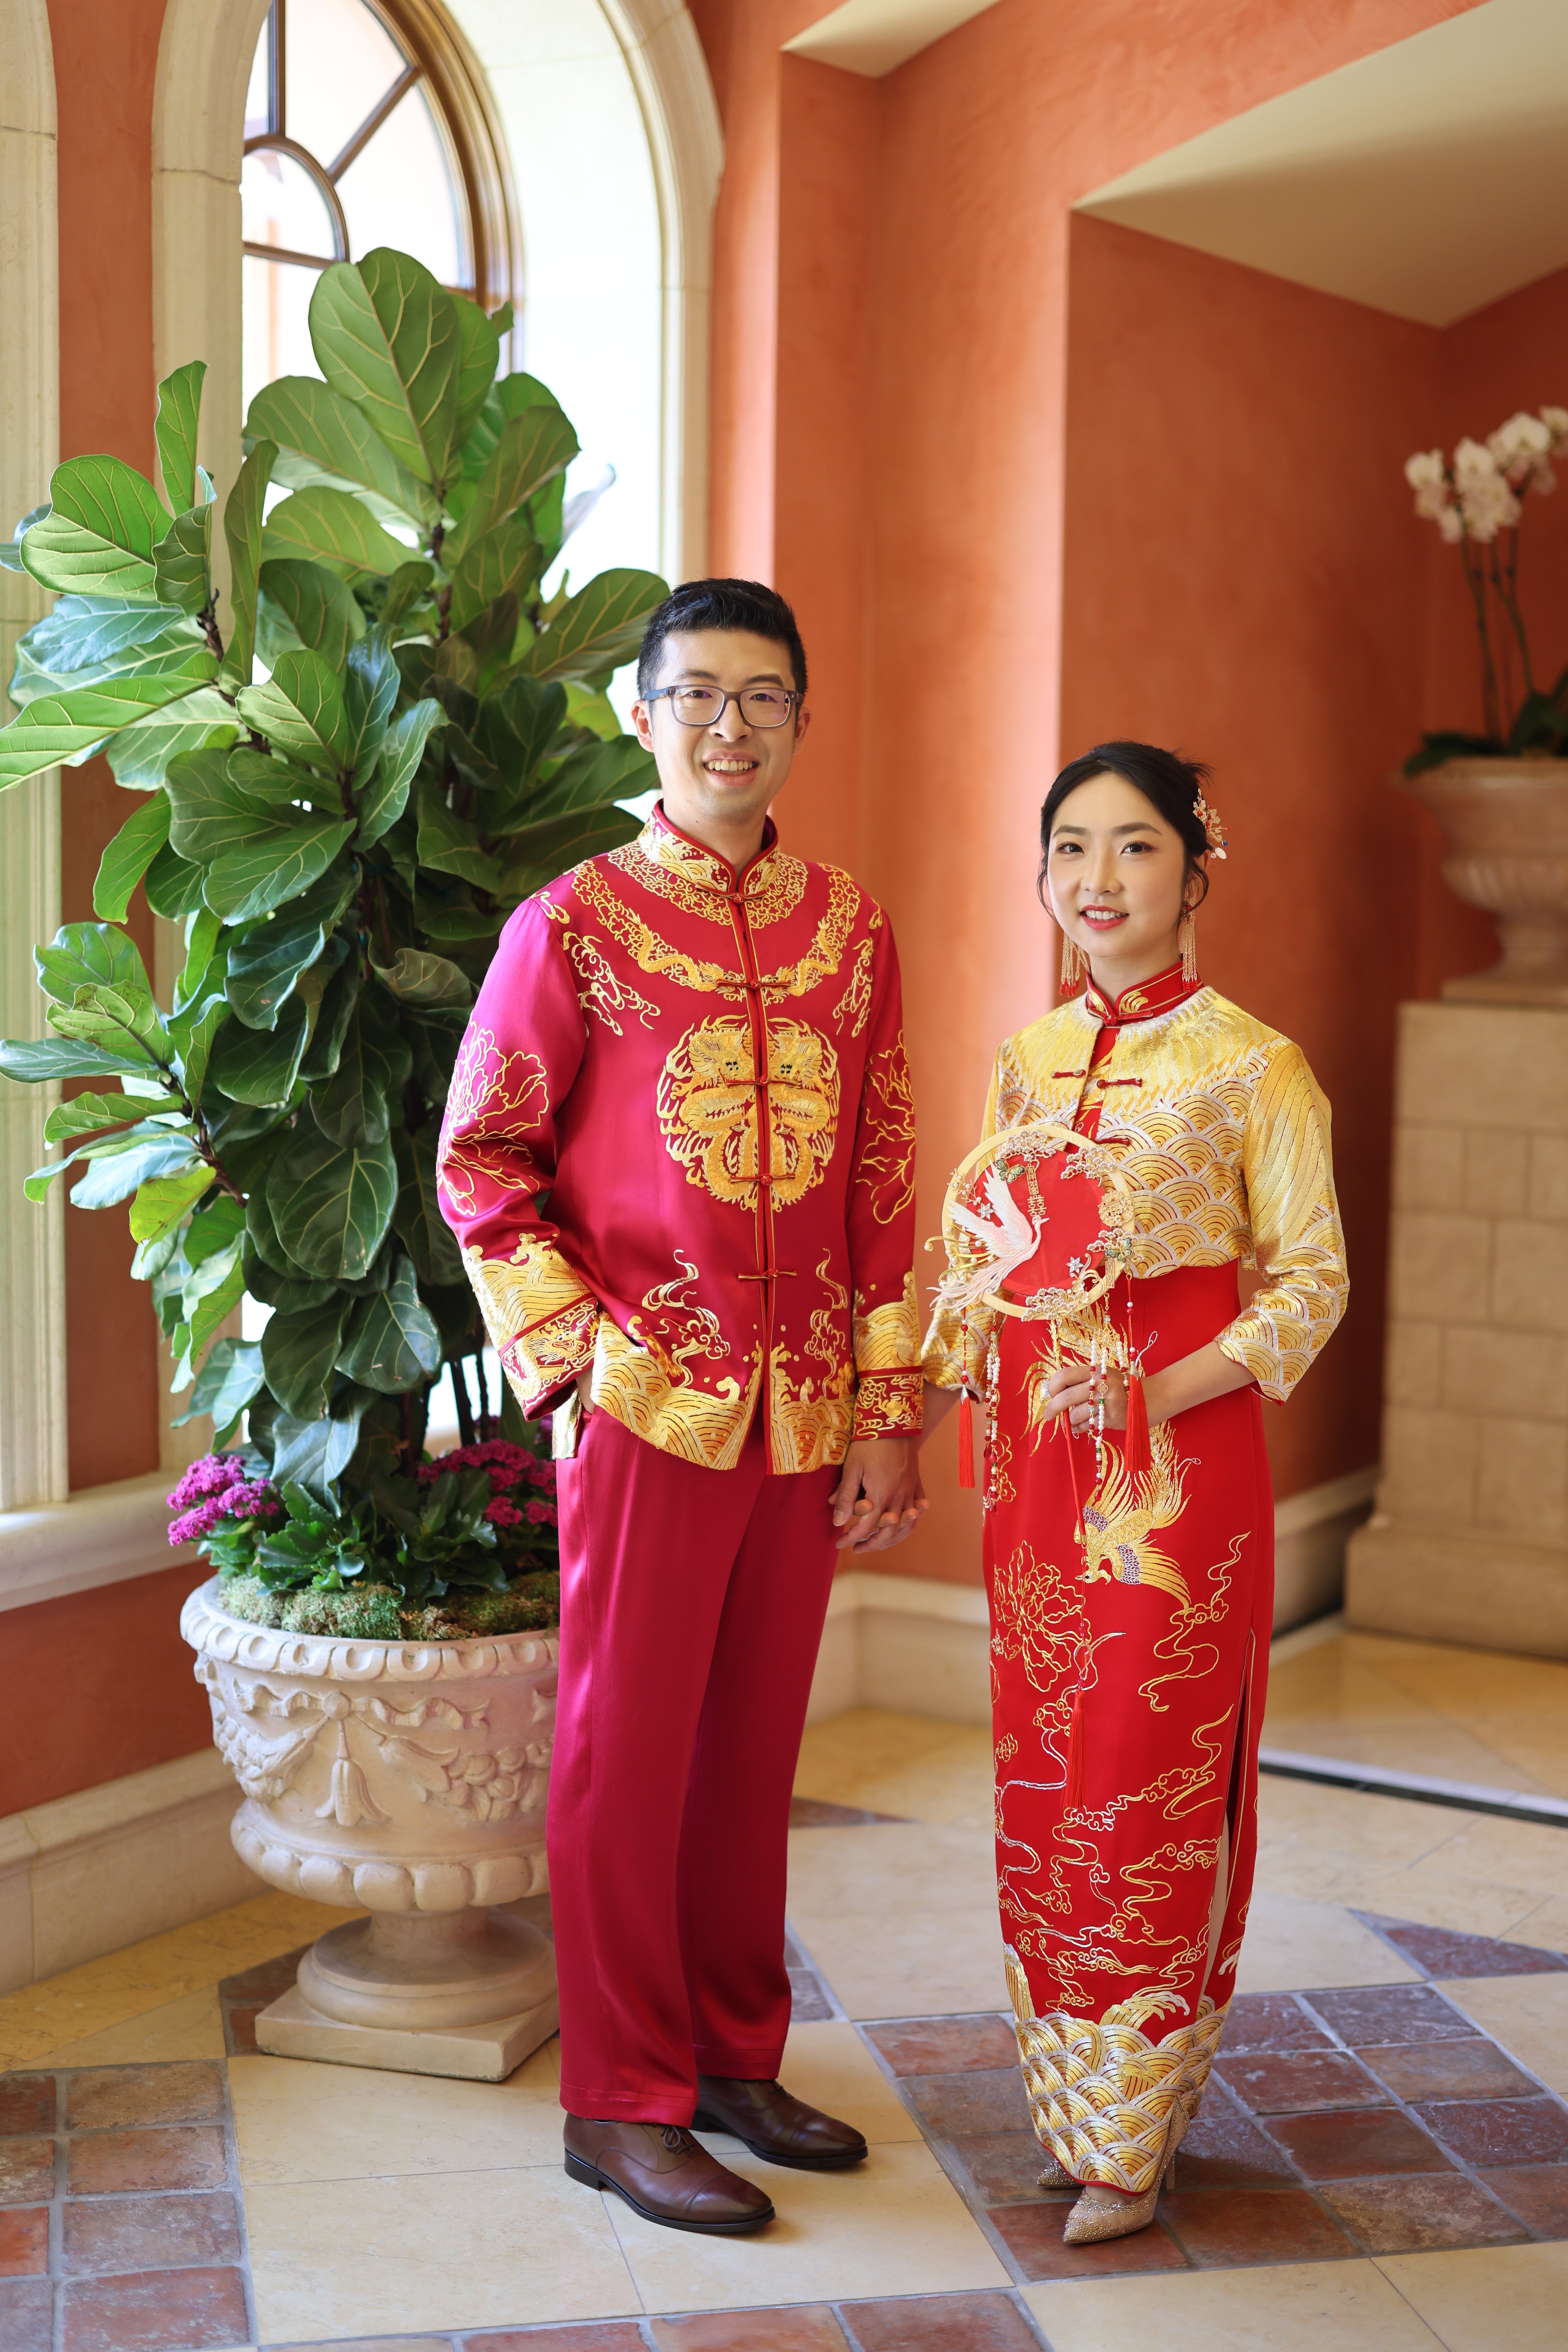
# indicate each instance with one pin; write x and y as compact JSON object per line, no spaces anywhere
{"x":213,"y":1475}
{"x":542,"y":1515}
{"x":502,"y":1513}
{"x":234,"y":1500}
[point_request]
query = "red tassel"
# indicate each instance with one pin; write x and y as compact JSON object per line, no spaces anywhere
{"x":1135,"y":1441}
{"x":965,"y":1440}
{"x":1073,"y":1792}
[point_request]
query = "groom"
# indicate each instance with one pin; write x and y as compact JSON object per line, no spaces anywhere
{"x":678,"y":1156}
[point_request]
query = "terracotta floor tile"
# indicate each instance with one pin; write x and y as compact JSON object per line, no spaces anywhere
{"x":239,"y":2030}
{"x":1299,"y":2082}
{"x":1445,"y":1953}
{"x":577,"y":2336}
{"x":155,"y":2311}
{"x":178,"y":2155}
{"x":1538,"y":2193}
{"x":945,"y":2045}
{"x":265,"y":1982}
{"x":966,"y":2106}
{"x":1223,"y":2148}
{"x":1270,"y":2021}
{"x":24,"y":2240}
{"x":27,"y":2103}
{"x":941,"y":2323}
{"x":26,"y":2170}
{"x":1388,"y":2013}
{"x":1033,"y":2235}
{"x":104,"y":2098}
{"x":131,"y":2233}
{"x":1004,"y":2168}
{"x":1450,"y":2070}
{"x":26,"y":2314}
{"x":797,"y":2327}
{"x":590,"y":2335}
{"x":1424,"y":2210}
{"x":1500,"y":2131}
{"x":1220,"y":2229}
{"x":1356,"y":2143}
{"x":808,"y":2002}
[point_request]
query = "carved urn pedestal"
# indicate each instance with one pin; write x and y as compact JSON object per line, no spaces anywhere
{"x":408,"y":1779}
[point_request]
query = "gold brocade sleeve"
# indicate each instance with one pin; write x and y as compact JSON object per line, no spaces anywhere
{"x":1298,"y":1244}
{"x":954,"y":1354}
{"x":880,"y":1218}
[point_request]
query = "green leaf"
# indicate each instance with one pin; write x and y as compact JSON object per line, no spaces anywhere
{"x":478,"y":340}
{"x":60,"y":727}
{"x":128,"y":857}
{"x":331,"y":1204}
{"x":450,"y":844}
{"x":204,"y":937}
{"x":370,"y":694}
{"x":418,"y":1220}
{"x":242,"y":524}
{"x":89,"y":637}
{"x":86,"y":1113}
{"x":140,"y":756}
{"x":181,"y":562}
{"x":120,"y":1023}
{"x":593,"y":774}
{"x":421,"y":979}
{"x":173,"y":887}
{"x":90,"y":955}
{"x":213,"y":1309}
{"x":326,"y":1046}
{"x":174,"y":429}
{"x":386,"y":335}
{"x":333,"y":528}
{"x":251,"y":880}
{"x":44,"y":1061}
{"x":264,"y":965}
{"x":383,"y":800}
{"x":315,"y":607}
{"x":505,"y":561}
{"x":108,"y":1181}
{"x":516,"y":728}
{"x":533,"y":446}
{"x":455,"y":918}
{"x":597,"y":630}
{"x":540,"y":852}
{"x":219,"y":1227}
{"x":298,"y":1354}
{"x":226,"y":1384}
{"x":299,"y":709}
{"x":163,"y":1200}
{"x":259,"y":1066}
{"x":410,"y":586}
{"x":354,"y":1104}
{"x":11,"y":549}
{"x":221,"y":800}
{"x":193,"y":1032}
{"x":393,"y":1343}
{"x":98,"y":538}
{"x":324,"y":438}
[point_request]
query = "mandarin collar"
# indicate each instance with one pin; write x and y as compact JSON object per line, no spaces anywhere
{"x":663,"y":842}
{"x":1144,"y":1000}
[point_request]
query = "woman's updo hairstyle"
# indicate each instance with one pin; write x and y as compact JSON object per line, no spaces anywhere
{"x":1170,"y":784}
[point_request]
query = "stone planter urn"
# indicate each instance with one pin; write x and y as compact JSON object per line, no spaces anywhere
{"x":409,"y":1780}
{"x":1506,"y":823}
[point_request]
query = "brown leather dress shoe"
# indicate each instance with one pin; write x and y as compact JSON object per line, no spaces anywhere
{"x":782,"y":2130}
{"x":665,"y":2174}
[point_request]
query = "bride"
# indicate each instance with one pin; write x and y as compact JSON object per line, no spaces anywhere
{"x":1129,"y":1516}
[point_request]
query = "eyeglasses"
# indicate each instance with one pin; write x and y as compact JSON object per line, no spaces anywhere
{"x":704,"y":706}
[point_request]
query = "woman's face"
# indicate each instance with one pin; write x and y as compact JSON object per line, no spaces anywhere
{"x":1115,"y":872}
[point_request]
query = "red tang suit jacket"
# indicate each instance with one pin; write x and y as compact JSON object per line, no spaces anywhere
{"x":678,"y":1148}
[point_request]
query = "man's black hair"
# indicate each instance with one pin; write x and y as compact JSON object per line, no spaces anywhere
{"x":720,"y":604}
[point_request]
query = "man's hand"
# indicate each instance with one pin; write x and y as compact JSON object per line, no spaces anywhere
{"x":879,"y":1498}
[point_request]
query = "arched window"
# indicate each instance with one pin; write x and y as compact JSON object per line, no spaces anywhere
{"x":365,"y":123}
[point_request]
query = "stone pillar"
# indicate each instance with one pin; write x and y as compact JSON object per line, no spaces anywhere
{"x":1469,"y":1541}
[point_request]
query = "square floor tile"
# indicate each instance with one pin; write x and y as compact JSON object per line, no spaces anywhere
{"x":1500,"y":2131}
{"x":945,"y":2045}
{"x":1270,"y":2021}
{"x":1388,"y":2013}
{"x":1004,"y":2168}
{"x":296,"y":2120}
{"x":27,"y":2103}
{"x":1033,"y":2236}
{"x":1219,"y":2229}
{"x":1489,"y":2297}
{"x":24,"y":2240}
{"x":1538,"y":2193}
{"x":1297,"y":2081}
{"x":174,"y":2156}
{"x":941,"y":2323}
{"x":103,"y":2098}
{"x":26,"y":2170}
{"x":1424,"y":2208}
{"x":1286,"y":2307}
{"x":1450,"y":2070}
{"x":1293,"y":1943}
{"x":1223,"y":2148}
{"x":413,"y":2343}
{"x":808,"y":2002}
{"x":1443,"y":1953}
{"x":156,"y":2311}
{"x":964,"y":2107}
{"x":827,"y":2064}
{"x":26,"y":2314}
{"x":130,"y":2233}
{"x":1356,"y":2143}
{"x":593,"y":2336}
{"x":806,"y":2327}
{"x":1528,"y":2015}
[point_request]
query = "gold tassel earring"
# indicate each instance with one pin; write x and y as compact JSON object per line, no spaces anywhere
{"x":1187,"y":939}
{"x":1075,"y":963}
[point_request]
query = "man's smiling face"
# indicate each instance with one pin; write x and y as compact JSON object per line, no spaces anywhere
{"x":718,"y":781}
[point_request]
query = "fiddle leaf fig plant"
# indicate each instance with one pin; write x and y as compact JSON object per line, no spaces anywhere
{"x":346,"y":772}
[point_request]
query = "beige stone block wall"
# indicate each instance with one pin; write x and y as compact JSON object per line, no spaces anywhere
{"x":1475,"y":1450}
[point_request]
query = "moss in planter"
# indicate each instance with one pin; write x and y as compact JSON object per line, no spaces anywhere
{"x":371,"y":1613}
{"x":363,"y":1613}
{"x":247,"y":1597}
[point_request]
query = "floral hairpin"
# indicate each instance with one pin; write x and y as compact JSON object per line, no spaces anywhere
{"x":1213,"y":825}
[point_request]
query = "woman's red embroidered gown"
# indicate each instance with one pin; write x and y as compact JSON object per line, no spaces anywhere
{"x":1129,"y":1667}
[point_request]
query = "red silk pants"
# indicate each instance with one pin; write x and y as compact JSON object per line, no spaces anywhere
{"x":691,"y":1608}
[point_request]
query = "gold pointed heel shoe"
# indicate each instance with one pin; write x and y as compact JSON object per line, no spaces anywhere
{"x":1056,"y":2176}
{"x":1109,"y":2212}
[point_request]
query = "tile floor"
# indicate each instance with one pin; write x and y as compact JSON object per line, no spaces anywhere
{"x":1382,"y":2160}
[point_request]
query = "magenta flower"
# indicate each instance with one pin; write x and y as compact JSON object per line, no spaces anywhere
{"x":502,"y":1513}
{"x":216,"y":1488}
{"x":213,"y":1475}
